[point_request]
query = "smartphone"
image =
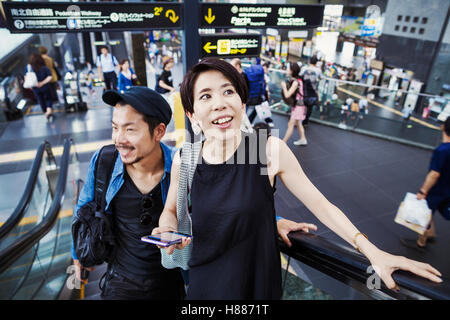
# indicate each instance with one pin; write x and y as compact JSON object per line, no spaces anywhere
{"x":165,"y":239}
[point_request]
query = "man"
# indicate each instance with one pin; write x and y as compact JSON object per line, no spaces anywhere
{"x":106,"y":66}
{"x":311,"y":76}
{"x":436,"y":188}
{"x":135,"y":196}
{"x":236,"y":62}
{"x":256,"y":89}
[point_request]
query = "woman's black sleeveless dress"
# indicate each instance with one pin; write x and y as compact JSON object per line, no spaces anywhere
{"x":235,"y":253}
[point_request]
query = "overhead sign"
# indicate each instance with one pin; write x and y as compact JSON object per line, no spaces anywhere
{"x":43,"y":17}
{"x":240,"y":15}
{"x":230,"y":45}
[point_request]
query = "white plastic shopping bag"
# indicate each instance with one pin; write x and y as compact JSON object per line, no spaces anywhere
{"x":414,"y":214}
{"x":263,"y":110}
{"x":30,"y":79}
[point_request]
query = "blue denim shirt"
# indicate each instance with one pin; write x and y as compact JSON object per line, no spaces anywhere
{"x":116,"y":181}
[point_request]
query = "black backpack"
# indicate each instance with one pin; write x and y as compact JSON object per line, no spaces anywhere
{"x":92,"y":229}
{"x":292,"y":99}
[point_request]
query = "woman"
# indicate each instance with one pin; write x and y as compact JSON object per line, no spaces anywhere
{"x":165,"y":81}
{"x":126,"y":76}
{"x":43,"y":90}
{"x":234,"y":248}
{"x":51,"y":65}
{"x":298,"y":110}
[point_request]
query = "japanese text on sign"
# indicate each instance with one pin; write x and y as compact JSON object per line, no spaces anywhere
{"x":58,"y":16}
{"x":258,"y":16}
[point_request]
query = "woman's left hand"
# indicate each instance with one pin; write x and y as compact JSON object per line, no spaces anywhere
{"x":385,"y":264}
{"x":284,"y":226}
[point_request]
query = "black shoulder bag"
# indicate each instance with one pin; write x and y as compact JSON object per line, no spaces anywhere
{"x":92,"y":231}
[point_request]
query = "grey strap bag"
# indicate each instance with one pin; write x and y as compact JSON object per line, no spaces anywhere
{"x":189,"y":156}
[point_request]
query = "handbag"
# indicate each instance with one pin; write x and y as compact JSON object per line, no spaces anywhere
{"x":414,"y":214}
{"x":189,"y":156}
{"x":263,"y":110}
{"x":290,"y":101}
{"x":30,"y":79}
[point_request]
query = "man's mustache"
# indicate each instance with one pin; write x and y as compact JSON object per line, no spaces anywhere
{"x":122,"y":146}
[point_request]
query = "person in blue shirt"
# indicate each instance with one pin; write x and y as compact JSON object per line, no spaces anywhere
{"x":436,"y":187}
{"x":126,"y":76}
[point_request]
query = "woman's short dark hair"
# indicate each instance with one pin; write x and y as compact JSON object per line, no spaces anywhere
{"x":230,"y":72}
{"x":295,"y":68}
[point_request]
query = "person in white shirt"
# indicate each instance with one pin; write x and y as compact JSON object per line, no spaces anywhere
{"x":106,"y":66}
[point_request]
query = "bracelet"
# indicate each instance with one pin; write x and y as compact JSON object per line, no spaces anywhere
{"x":421,"y":192}
{"x":354,"y":240}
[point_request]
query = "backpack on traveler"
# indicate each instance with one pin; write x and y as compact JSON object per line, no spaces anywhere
{"x":290,"y":101}
{"x":92,"y":231}
{"x":113,"y":59}
{"x":255,"y":75}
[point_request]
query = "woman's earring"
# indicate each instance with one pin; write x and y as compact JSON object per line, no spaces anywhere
{"x":246,"y":126}
{"x":196,"y":128}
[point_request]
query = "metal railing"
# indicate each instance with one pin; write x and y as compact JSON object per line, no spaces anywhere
{"x":351,"y":268}
{"x":34,"y":265}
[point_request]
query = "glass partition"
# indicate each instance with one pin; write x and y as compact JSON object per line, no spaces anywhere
{"x":395,"y":114}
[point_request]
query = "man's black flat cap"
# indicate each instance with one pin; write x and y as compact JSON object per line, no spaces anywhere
{"x":144,"y":100}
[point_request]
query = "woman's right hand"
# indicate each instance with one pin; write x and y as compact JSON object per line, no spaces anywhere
{"x":169,"y":250}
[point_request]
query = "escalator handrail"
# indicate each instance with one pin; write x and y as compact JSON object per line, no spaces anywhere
{"x":25,"y":200}
{"x":349,"y":266}
{"x":25,"y":242}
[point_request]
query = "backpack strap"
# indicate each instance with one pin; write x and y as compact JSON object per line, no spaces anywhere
{"x":103,"y":170}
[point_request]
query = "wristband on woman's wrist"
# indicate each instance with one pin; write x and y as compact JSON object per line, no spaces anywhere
{"x":421,"y":192}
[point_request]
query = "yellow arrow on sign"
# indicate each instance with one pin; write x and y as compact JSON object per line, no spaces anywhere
{"x":172,"y":15}
{"x":208,"y":47}
{"x":210,"y":18}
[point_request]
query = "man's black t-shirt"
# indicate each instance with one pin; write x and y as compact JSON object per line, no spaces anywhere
{"x":166,"y":77}
{"x":133,"y":257}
